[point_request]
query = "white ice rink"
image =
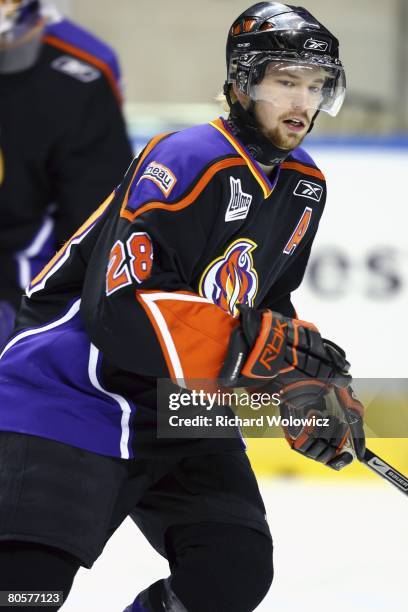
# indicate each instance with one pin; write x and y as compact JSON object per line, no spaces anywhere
{"x":337,"y":549}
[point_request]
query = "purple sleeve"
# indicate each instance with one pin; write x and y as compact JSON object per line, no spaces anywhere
{"x":7,"y":316}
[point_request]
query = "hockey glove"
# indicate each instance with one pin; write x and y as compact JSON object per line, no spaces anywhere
{"x":267,"y":343}
{"x":323,"y":422}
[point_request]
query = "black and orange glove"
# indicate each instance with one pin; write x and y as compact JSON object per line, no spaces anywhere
{"x":267,"y":344}
{"x":323,"y":422}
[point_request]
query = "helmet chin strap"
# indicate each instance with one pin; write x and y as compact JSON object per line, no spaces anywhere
{"x":244,"y":126}
{"x":311,"y":126}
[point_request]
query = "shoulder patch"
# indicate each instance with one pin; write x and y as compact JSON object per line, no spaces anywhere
{"x":239,"y":203}
{"x":162,"y":176}
{"x":76,"y":68}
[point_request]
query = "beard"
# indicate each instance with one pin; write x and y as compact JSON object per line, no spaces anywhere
{"x":280,"y":136}
{"x":283,"y":141}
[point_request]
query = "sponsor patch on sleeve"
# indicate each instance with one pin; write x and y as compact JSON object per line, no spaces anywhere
{"x":162,"y":176}
{"x":75,"y":68}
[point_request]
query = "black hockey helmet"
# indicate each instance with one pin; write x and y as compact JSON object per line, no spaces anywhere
{"x":286,"y":35}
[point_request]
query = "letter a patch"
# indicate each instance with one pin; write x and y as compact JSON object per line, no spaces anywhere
{"x":299,"y":232}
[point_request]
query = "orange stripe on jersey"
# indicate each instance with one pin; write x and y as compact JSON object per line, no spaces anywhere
{"x":192,"y":331}
{"x":304,"y":169}
{"x":87,"y":57}
{"x":218,"y":124}
{"x":94,"y":217}
{"x":191,"y":197}
{"x":159,"y":335}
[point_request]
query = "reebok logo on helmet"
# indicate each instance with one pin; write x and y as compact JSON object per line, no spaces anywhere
{"x":316,"y":45}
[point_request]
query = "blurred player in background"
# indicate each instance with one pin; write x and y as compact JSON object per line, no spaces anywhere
{"x":184,"y":272}
{"x":63,"y":142}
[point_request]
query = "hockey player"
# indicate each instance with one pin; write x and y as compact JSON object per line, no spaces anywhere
{"x":184,"y":272}
{"x":63,"y":143}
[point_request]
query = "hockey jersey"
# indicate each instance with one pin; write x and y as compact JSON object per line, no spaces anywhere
{"x":63,"y":146}
{"x":148,"y":288}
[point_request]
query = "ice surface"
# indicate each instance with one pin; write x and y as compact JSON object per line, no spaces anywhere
{"x":337,"y":548}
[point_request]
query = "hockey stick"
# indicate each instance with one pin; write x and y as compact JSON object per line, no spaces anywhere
{"x":383,"y":469}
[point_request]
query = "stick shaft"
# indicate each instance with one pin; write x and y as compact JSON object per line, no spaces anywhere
{"x":386,"y":471}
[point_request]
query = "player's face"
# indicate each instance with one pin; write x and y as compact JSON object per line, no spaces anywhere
{"x":286,"y":100}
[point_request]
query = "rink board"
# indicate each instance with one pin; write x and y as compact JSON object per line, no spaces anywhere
{"x":273,"y":457}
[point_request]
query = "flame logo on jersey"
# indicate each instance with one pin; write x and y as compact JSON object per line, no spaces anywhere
{"x":231,"y":279}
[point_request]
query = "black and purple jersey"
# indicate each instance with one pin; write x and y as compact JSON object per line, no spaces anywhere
{"x":63,"y":148}
{"x":148,"y":287}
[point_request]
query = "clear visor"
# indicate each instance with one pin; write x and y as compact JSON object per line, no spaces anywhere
{"x":301,"y":86}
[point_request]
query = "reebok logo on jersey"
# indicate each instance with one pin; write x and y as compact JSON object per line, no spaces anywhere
{"x":161,"y":176}
{"x":76,"y":69}
{"x":306,"y":189}
{"x":239,"y":203}
{"x":316,"y":45}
